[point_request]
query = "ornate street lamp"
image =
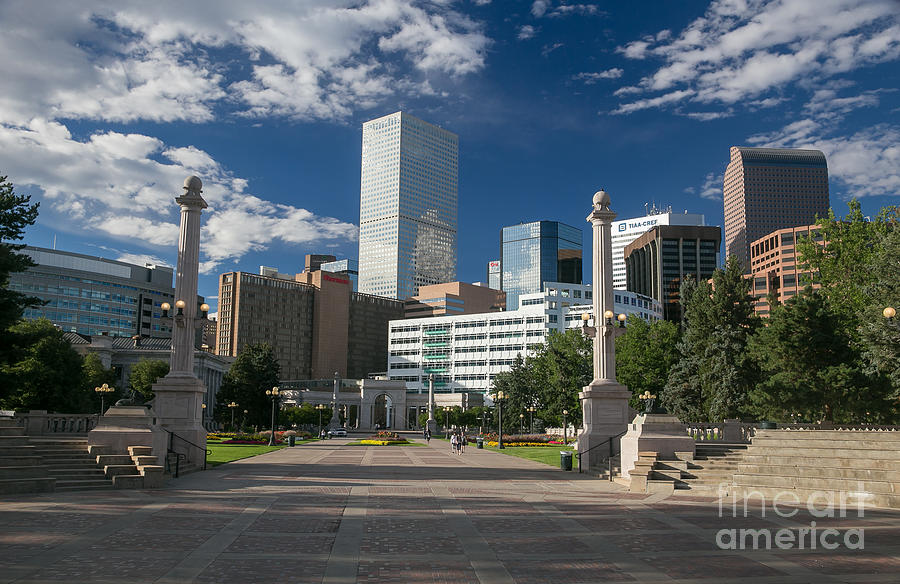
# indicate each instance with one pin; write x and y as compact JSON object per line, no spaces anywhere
{"x":103,"y":390}
{"x":649,"y":400}
{"x":244,"y":419}
{"x":565,"y":427}
{"x":320,"y":407}
{"x":531,"y":410}
{"x":447,"y":420}
{"x":499,"y":397}
{"x":521,"y":423}
{"x":231,"y":407}
{"x":273,"y":393}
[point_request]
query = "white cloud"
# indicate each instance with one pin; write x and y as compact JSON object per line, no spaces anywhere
{"x":542,"y":8}
{"x":866,"y":162}
{"x":642,"y":104}
{"x":712,"y":186}
{"x":709,"y":116}
{"x":745,"y":49}
{"x":526,"y":32}
{"x":594,"y":77}
{"x":141,"y":259}
{"x":539,"y":8}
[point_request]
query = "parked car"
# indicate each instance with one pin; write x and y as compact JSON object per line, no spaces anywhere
{"x":337,"y":433}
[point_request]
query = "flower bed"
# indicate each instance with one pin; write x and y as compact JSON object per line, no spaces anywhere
{"x":494,"y":443}
{"x":259,"y":438}
{"x":384,"y":438}
{"x":525,"y":440}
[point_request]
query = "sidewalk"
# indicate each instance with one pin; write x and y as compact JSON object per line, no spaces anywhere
{"x":327,"y":512}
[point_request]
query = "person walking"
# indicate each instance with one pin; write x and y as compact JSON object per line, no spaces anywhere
{"x":463,"y":442}
{"x":454,"y":441}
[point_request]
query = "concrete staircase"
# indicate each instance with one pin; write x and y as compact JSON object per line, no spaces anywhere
{"x":44,"y":464}
{"x":712,"y":469}
{"x":806,"y":462}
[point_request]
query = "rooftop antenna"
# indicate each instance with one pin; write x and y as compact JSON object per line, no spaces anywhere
{"x":54,"y":242}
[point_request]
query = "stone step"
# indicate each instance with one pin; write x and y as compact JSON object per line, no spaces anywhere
{"x":828,"y":435}
{"x":20,"y":460}
{"x":812,"y":483}
{"x":72,"y":472}
{"x":804,"y":495}
{"x":108,"y":459}
{"x":830,"y":462}
{"x":662,"y":486}
{"x":13,"y":441}
{"x":113,"y":470}
{"x":671,"y":465}
{"x":666,"y":474}
{"x":23,"y":472}
{"x":826,"y":472}
{"x":864,"y":441}
{"x":824,"y":452}
{"x":58,"y":462}
{"x":29,"y":485}
{"x":83,"y":484}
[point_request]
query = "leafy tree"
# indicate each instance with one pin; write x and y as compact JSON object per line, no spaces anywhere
{"x":305,"y":414}
{"x":253,"y":372}
{"x":562,"y":366}
{"x":144,"y":374}
{"x":94,"y":374}
{"x":519,"y":387}
{"x":879,"y":338}
{"x":644,"y":356}
{"x":811,"y":370}
{"x":15,"y":214}
{"x":43,"y":371}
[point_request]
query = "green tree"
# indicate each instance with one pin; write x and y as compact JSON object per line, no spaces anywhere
{"x":880,"y":338}
{"x":43,"y":371}
{"x":15,"y":215}
{"x":254,"y":371}
{"x":811,"y":369}
{"x":518,"y":384}
{"x":94,"y":374}
{"x":714,"y":376}
{"x":562,"y":367}
{"x":144,"y":374}
{"x":645,"y":354}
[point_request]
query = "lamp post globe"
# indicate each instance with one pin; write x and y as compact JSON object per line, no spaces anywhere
{"x":273,"y":393}
{"x":565,"y":426}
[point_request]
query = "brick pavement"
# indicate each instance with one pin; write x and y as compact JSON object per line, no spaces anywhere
{"x":327,"y":512}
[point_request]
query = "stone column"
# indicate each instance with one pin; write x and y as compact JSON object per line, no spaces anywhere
{"x":179,"y":395}
{"x":432,"y":423}
{"x":604,"y":402}
{"x":335,"y":418}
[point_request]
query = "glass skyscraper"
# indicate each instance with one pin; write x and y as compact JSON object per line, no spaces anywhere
{"x":538,"y":252}
{"x":408,"y":206}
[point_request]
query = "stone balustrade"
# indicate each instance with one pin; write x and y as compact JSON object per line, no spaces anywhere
{"x":42,"y":423}
{"x":737,"y":432}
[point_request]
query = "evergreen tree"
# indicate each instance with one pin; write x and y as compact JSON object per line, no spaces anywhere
{"x":254,"y":371}
{"x":15,"y":215}
{"x":879,"y":337}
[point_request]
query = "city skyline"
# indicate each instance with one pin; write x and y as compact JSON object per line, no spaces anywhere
{"x":109,"y":108}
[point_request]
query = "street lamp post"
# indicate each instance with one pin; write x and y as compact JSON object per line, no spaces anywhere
{"x":273,"y":393}
{"x":320,"y":407}
{"x":531,"y":410}
{"x":103,"y":390}
{"x":244,"y":419}
{"x":565,"y":427}
{"x":521,"y":423}
{"x":447,"y":420}
{"x":231,"y":407}
{"x":499,"y":397}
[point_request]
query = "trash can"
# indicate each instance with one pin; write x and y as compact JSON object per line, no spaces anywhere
{"x":292,"y":440}
{"x":479,"y":442}
{"x":565,"y":460}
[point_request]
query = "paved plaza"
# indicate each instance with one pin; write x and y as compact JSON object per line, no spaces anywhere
{"x":328,"y":512}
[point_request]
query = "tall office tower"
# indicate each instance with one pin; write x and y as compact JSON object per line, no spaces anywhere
{"x":767,"y":189}
{"x":493,"y":274}
{"x":627,"y":230}
{"x":538,"y":252}
{"x":408,"y":208}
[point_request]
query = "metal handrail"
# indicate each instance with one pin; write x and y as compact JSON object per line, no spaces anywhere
{"x":179,"y":455}
{"x":607,"y":441}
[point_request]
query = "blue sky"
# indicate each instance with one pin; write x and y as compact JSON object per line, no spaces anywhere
{"x":108,"y":106}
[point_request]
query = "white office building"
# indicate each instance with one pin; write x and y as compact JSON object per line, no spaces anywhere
{"x":464,"y":353}
{"x":627,"y":230}
{"x":408,"y":206}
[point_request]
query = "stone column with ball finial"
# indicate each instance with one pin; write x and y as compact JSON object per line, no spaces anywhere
{"x":604,"y":402}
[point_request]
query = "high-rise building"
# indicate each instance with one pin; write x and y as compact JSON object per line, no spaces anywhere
{"x":658,"y":261}
{"x":93,"y":296}
{"x":766,"y":189}
{"x":346,"y":267}
{"x":493,"y":274}
{"x":627,"y":230}
{"x":532,"y":254}
{"x":408,"y":206}
{"x":774,"y":268}
{"x":314,"y":261}
{"x":314,"y":322}
{"x":454,"y":298}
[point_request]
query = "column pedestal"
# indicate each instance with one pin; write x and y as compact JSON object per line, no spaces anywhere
{"x":660,"y":433}
{"x":179,"y":409}
{"x":606,"y":413}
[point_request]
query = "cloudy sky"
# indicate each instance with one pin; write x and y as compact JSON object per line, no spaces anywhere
{"x":107,"y":106}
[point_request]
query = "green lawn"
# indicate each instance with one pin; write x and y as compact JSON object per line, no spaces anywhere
{"x":222,"y":453}
{"x":546,"y":454}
